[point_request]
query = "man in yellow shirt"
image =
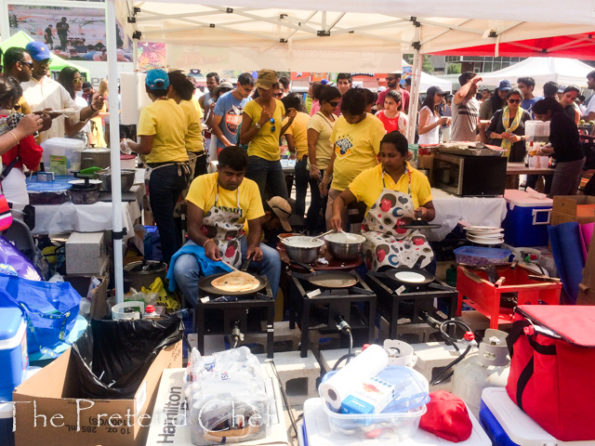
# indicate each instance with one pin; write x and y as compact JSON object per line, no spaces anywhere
{"x":394,"y":193}
{"x":356,"y":140}
{"x":220,"y":206}
{"x":297,"y":142}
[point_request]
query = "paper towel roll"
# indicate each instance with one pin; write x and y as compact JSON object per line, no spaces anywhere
{"x":364,"y":366}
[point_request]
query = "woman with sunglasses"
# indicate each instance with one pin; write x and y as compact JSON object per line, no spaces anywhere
{"x":72,"y":81}
{"x":262,"y":122}
{"x":507,"y":127}
{"x":320,"y":128}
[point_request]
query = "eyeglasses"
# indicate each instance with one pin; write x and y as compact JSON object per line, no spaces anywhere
{"x":272,"y":121}
{"x":334,"y":103}
{"x":29,"y":64}
{"x":278,"y":95}
{"x":514,"y":101}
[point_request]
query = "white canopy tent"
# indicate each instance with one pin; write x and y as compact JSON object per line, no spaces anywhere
{"x":334,"y":35}
{"x":427,"y":80}
{"x":543,"y":69}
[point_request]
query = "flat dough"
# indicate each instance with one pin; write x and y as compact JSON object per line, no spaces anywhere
{"x":236,"y":282}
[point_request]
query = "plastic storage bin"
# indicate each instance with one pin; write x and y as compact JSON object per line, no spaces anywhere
{"x":507,"y":425}
{"x":48,"y":193}
{"x":62,"y":155}
{"x":13,"y":350}
{"x":478,"y":256}
{"x":527,"y":219}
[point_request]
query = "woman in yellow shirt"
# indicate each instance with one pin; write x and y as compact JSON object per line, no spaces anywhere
{"x":394,"y":192}
{"x":162,"y":130}
{"x":262,"y":122}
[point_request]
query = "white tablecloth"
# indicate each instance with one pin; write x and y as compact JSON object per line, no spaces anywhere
{"x":451,"y":209}
{"x":69,"y":217}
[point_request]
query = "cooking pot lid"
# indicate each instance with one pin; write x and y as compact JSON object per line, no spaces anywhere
{"x":84,"y":184}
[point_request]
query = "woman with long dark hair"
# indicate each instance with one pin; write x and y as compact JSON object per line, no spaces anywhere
{"x":72,"y":81}
{"x":430,"y":120}
{"x":565,"y":146}
{"x":507,"y":127}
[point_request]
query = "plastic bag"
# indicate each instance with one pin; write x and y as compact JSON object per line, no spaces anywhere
{"x":227,"y":397}
{"x":50,"y":310}
{"x":9,"y":255}
{"x":112,"y":357}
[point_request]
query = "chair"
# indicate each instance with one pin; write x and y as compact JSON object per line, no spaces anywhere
{"x":20,"y":236}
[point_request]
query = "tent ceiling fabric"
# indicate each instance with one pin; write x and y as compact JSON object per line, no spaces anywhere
{"x":578,"y":45}
{"x":348,"y":36}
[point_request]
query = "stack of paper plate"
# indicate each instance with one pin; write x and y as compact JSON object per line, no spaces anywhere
{"x":485,"y":235}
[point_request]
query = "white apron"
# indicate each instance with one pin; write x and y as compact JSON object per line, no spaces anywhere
{"x":387,"y":244}
{"x":224,"y":226}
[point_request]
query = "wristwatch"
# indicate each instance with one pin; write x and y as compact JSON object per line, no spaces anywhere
{"x":258,"y":126}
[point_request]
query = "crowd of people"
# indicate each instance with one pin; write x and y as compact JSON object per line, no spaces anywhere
{"x":348,"y":144}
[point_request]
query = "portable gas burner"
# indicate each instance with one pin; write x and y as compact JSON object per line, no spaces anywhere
{"x":241,"y":313}
{"x":329,"y":298}
{"x":397,"y":299}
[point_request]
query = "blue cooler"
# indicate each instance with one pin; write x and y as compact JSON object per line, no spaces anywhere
{"x":527,"y":219}
{"x":13,"y":350}
{"x":507,"y":425}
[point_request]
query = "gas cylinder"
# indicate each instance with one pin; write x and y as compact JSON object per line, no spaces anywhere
{"x":487,"y":366}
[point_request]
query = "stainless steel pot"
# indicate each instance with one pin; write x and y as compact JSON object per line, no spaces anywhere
{"x":302,"y":249}
{"x":127,"y":178}
{"x":84,"y":191}
{"x":345,"y":246}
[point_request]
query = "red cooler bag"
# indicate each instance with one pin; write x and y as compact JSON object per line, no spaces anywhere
{"x":552,"y":369}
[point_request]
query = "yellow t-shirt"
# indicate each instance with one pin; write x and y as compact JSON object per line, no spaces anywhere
{"x":356,"y":147}
{"x":299,"y":130}
{"x":167,"y":122}
{"x":23,"y":106}
{"x":194,"y":142}
{"x":203,"y":192}
{"x":324,"y":128}
{"x":265,"y":143}
{"x":367,"y":186}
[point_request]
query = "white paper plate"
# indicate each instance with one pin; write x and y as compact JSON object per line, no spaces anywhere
{"x":486,"y":241}
{"x":482,"y":229}
{"x":485,"y":234}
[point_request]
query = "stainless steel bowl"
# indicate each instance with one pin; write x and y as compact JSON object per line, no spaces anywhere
{"x":127,"y":178}
{"x":302,"y":249}
{"x":345,"y":246}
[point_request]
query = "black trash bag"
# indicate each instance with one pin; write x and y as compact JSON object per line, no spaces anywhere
{"x":112,"y":357}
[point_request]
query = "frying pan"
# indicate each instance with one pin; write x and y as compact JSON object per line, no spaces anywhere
{"x":421,"y":225}
{"x":205,"y":284}
{"x":410,"y":276}
{"x":327,"y":279}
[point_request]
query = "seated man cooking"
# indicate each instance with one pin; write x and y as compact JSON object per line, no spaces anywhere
{"x":394,"y":194}
{"x":219,"y":206}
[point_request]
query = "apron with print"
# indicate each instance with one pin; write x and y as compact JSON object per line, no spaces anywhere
{"x":387,"y":244}
{"x":225,"y":227}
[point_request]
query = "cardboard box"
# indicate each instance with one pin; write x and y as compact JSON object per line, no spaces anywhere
{"x":579,"y":208}
{"x":426,"y":162}
{"x":48,"y":412}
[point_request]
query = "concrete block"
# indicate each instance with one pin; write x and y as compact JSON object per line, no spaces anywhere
{"x":86,"y":253}
{"x":298,"y":375}
{"x":431,"y":355}
{"x":213,"y":343}
{"x":286,"y":339}
{"x":328,"y":358}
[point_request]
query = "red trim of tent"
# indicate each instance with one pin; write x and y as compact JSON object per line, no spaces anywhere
{"x":580,"y":46}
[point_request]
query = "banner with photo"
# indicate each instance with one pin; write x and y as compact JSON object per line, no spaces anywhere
{"x":71,"y":33}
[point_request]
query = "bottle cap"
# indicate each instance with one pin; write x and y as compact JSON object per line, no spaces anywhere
{"x":149,"y":309}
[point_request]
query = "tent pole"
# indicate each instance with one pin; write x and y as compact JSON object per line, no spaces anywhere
{"x":415,"y":81}
{"x":114,"y":138}
{"x":4,"y":22}
{"x":134,"y":55}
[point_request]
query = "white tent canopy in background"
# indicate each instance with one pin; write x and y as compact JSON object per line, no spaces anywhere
{"x":543,"y":69}
{"x":338,"y":35}
{"x":427,"y":80}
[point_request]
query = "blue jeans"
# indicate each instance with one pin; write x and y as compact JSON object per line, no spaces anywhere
{"x":187,"y":273}
{"x":165,"y":186}
{"x":269,"y":177}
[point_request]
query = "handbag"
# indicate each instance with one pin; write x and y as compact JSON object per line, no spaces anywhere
{"x":552,"y":367}
{"x":49,"y":309}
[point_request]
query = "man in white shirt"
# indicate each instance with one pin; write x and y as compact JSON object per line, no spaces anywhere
{"x":44,"y":93}
{"x":590,"y":112}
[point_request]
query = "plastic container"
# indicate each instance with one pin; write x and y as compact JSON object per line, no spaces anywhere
{"x":128,"y":161}
{"x":507,"y":425}
{"x":13,"y":350}
{"x":48,"y":193}
{"x":6,"y":434}
{"x":537,"y":130}
{"x":130,"y":310}
{"x":400,"y":419}
{"x":62,"y":155}
{"x":527,"y":219}
{"x":478,"y":256}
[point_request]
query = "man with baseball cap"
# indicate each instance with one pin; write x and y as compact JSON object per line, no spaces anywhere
{"x":42,"y":93}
